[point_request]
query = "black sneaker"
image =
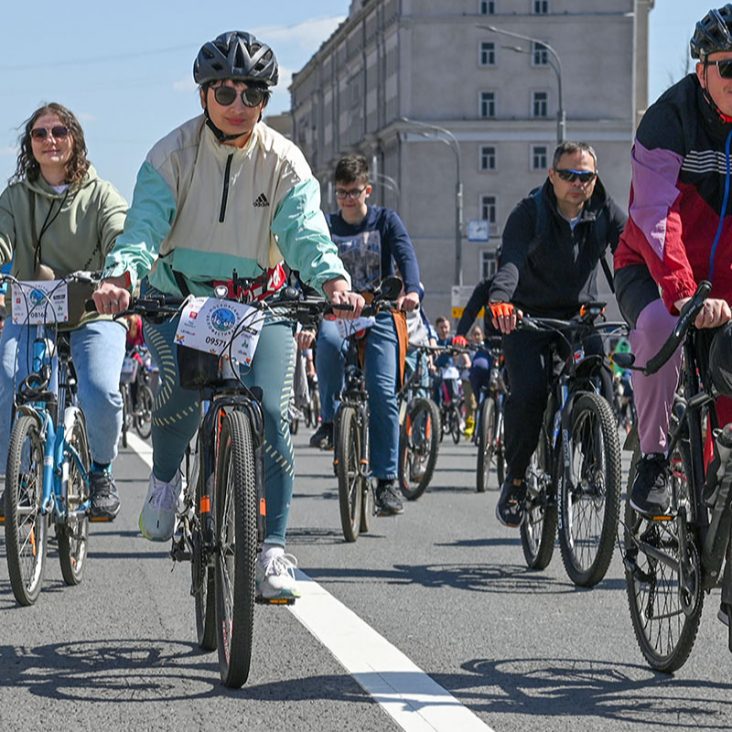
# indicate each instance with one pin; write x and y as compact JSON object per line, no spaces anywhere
{"x":386,"y":499}
{"x":323,"y":437}
{"x":104,"y":496}
{"x":650,"y":495}
{"x":510,"y":506}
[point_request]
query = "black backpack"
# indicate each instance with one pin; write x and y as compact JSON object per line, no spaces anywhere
{"x":601,"y":227}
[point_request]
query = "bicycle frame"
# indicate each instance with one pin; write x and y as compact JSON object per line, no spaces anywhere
{"x":41,"y":405}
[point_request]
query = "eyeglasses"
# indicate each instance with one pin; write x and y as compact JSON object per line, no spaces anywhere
{"x":570,"y":175}
{"x":723,"y":66}
{"x":251,"y":97}
{"x":58,"y":132}
{"x":352,"y":194}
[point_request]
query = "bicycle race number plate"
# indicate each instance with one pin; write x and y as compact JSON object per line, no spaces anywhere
{"x":44,"y":301}
{"x":349,"y":327}
{"x":210,"y":325}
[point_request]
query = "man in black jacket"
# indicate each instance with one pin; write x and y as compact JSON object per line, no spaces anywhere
{"x":552,"y":244}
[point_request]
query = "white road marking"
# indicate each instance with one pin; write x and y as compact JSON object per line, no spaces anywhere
{"x":406,"y":693}
{"x":416,"y":702}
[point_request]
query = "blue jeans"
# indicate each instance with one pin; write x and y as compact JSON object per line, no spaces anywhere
{"x":97,"y":350}
{"x":176,"y":413}
{"x":480,"y":372}
{"x":381,"y":365}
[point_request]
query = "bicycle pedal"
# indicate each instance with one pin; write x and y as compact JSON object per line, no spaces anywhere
{"x":275,"y":600}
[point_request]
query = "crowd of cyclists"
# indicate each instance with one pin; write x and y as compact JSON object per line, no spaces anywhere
{"x":225,"y":206}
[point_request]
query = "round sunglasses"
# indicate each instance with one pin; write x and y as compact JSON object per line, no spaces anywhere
{"x":251,"y":97}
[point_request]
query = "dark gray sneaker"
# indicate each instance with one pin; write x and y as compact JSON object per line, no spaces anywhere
{"x":386,"y":499}
{"x":650,"y":495}
{"x":323,"y":437}
{"x":104,"y":496}
{"x":510,"y":506}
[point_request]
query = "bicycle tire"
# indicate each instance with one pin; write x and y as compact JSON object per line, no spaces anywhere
{"x":202,"y":574}
{"x":73,"y":536}
{"x":486,"y":442}
{"x":539,"y":528}
{"x":236,"y":530}
{"x":418,"y":446}
{"x":499,"y":454}
{"x":455,"y":423}
{"x":126,"y":420}
{"x":143,"y":415}
{"x":348,"y":471}
{"x":676,"y":629}
{"x":589,"y":514}
{"x":25,"y":526}
{"x":367,"y":508}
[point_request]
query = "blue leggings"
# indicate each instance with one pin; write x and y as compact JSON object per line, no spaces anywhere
{"x":176,"y":413}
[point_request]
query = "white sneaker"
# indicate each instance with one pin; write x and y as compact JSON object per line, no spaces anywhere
{"x":275,"y":575}
{"x":157,"y":519}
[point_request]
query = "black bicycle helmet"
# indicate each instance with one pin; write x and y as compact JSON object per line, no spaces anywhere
{"x":236,"y":55}
{"x":713,"y":33}
{"x":720,"y":360}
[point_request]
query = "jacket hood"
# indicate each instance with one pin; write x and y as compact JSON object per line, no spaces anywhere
{"x":40,"y":186}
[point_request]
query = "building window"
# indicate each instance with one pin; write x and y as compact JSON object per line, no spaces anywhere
{"x":539,"y":155}
{"x":488,"y":264}
{"x":487,"y":7}
{"x":487,"y":104}
{"x":488,"y":210}
{"x":541,"y":7}
{"x":487,"y":53}
{"x":487,"y":157}
{"x":539,"y":104}
{"x":539,"y":54}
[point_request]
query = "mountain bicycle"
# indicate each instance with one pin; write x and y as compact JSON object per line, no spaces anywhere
{"x":351,"y":429}
{"x":419,"y":432}
{"x":221,"y":525}
{"x":488,"y":434}
{"x":136,"y":386}
{"x":671,"y":562}
{"x":573,"y":480}
{"x":451,"y":402}
{"x":47,"y":473}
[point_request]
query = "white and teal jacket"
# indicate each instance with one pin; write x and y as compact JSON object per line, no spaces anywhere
{"x":204,"y":209}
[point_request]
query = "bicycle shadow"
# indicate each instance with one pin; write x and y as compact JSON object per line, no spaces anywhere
{"x":487,"y":578}
{"x":587,"y":688}
{"x":310,"y":536}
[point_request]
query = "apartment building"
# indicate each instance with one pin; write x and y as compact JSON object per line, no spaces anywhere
{"x":459,"y":121}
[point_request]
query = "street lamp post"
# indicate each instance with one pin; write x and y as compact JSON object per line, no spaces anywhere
{"x":556,"y":67}
{"x":451,"y":141}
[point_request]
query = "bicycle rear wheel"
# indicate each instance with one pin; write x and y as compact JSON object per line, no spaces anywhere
{"x":665,"y":615}
{"x":348,"y":441}
{"x":73,"y":536}
{"x":486,"y":442}
{"x":25,"y":527}
{"x":143,"y":413}
{"x":455,"y":422}
{"x":418,"y":445}
{"x":236,"y":528}
{"x":202,"y":572}
{"x":590,"y":508}
{"x":539,"y":528}
{"x":126,"y":413}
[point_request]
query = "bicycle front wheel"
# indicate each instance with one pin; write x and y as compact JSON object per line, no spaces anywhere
{"x":418,"y":445}
{"x":486,"y":442}
{"x":349,"y":437}
{"x":236,"y":529}
{"x":455,"y":422}
{"x":143,"y":413}
{"x":665,"y":612}
{"x":590,"y":507}
{"x":73,"y":536}
{"x":25,"y":527}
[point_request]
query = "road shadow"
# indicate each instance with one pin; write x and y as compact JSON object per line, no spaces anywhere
{"x":630,"y":694}
{"x":311,"y":536}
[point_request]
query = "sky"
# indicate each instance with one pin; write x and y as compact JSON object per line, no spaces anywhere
{"x":125,"y":69}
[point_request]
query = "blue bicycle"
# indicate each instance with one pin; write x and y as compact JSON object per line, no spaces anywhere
{"x":47,"y":473}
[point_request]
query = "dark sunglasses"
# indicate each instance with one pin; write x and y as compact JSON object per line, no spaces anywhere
{"x":583,"y":176}
{"x":251,"y":97}
{"x":57,"y":131}
{"x":724,"y":67}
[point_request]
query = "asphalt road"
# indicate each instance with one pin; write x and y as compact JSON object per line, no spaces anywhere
{"x":443,"y":584}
